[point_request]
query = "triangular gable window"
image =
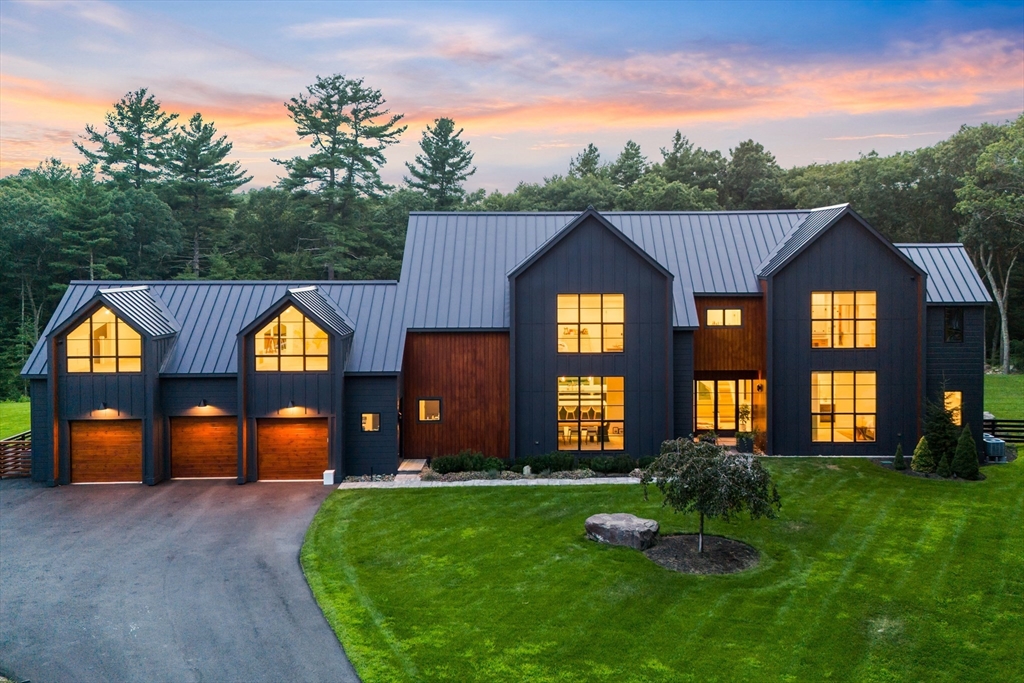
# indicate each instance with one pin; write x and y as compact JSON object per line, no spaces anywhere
{"x":291,"y":342}
{"x":104,"y":343}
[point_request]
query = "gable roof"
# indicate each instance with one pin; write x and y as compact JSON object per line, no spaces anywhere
{"x":138,"y":307}
{"x":952,"y":278}
{"x":324,"y":308}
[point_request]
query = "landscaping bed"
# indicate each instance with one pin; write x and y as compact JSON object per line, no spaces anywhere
{"x":678,"y":552}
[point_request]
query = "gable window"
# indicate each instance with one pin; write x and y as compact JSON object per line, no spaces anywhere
{"x":843,"y":320}
{"x":953,"y":402}
{"x":591,"y":323}
{"x":843,"y":406}
{"x":104,"y":343}
{"x":371,"y":422}
{"x":724,"y":317}
{"x":953,"y":327}
{"x":430,"y":410}
{"x":591,"y":414}
{"x":291,"y":342}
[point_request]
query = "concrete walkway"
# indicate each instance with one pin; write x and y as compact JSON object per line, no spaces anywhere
{"x":485,"y":482}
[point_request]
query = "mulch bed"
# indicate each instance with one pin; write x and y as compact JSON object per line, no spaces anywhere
{"x":678,"y":552}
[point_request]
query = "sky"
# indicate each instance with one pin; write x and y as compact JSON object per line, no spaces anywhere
{"x":530,"y":82}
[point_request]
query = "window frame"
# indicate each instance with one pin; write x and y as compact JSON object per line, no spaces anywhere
{"x":419,"y":409}
{"x":375,"y":422}
{"x":579,"y":420}
{"x":854,"y":413}
{"x":118,"y":357}
{"x":275,"y":323}
{"x":724,"y":324}
{"x":601,"y":324}
{"x":855,"y":321}
{"x":950,"y":334}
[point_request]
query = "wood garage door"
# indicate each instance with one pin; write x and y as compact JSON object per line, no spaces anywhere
{"x":106,"y":450}
{"x":291,"y":449}
{"x":204,"y":447}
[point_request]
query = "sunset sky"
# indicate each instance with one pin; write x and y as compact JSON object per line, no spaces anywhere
{"x":531,"y":83}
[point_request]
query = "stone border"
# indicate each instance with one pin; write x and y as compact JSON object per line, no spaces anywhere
{"x":485,"y":482}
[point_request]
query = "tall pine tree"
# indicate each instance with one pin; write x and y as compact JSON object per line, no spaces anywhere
{"x":444,"y":165}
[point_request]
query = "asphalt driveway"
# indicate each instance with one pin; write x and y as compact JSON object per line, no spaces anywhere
{"x":184,"y":581}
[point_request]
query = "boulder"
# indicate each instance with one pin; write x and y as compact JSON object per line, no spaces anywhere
{"x":622,"y":529}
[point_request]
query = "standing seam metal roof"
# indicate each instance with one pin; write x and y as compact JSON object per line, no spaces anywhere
{"x":952,"y":278}
{"x":800,"y":236}
{"x":138,"y":306}
{"x":312,"y":298}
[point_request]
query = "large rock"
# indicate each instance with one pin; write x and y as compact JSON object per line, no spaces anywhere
{"x":622,"y":529}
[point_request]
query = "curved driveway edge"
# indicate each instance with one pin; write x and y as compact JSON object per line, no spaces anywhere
{"x":184,"y":581}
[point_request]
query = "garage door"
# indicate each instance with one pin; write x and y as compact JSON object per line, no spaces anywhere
{"x":204,"y":447}
{"x":291,"y":449}
{"x":106,"y":450}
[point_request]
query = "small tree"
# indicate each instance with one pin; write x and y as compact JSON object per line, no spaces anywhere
{"x":965,"y":462}
{"x":701,"y":477}
{"x":945,"y":467}
{"x":923,"y":460}
{"x":899,"y":462}
{"x":941,"y":431}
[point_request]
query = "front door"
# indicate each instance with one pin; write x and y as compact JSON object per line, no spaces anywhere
{"x":723,"y":406}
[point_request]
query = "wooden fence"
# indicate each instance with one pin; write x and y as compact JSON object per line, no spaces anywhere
{"x":1011,"y":431}
{"x":16,"y":456}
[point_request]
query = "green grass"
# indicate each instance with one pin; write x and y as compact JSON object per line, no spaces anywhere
{"x":867,"y":575}
{"x":14,"y":418}
{"x":1004,"y":396}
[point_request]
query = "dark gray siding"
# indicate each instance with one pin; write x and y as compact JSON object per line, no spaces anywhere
{"x":81,"y":395}
{"x":846,"y":257}
{"x":682,"y":382}
{"x":371,"y":452}
{"x":958,"y":366}
{"x":592,"y":260}
{"x":182,"y":396}
{"x":42,"y":431}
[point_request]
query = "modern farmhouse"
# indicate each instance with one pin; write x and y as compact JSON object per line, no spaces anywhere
{"x":517,"y":334}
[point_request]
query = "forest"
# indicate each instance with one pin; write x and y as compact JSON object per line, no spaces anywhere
{"x":155,"y":196}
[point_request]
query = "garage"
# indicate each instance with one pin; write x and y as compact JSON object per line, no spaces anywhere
{"x":106,"y":451}
{"x":204,"y":447}
{"x":291,"y":448}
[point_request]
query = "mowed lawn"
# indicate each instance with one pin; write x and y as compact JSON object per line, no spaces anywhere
{"x":1004,"y":396}
{"x":867,"y":575}
{"x":14,"y":418}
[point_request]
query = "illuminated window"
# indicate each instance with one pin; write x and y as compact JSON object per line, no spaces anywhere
{"x":591,"y":323}
{"x":954,"y":325}
{"x":430,"y":410}
{"x":104,"y":343}
{"x":724,"y":317}
{"x":371,"y":422}
{"x":291,"y":342}
{"x":843,"y":406}
{"x":591,"y":414}
{"x":954,"y":403}
{"x":843,"y":320}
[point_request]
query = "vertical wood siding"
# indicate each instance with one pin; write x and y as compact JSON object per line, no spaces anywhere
{"x":469,"y":372}
{"x":730,"y":348}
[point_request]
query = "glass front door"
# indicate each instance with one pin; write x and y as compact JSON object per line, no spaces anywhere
{"x":723,"y":405}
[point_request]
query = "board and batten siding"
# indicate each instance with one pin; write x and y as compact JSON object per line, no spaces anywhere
{"x":742,"y":348}
{"x":42,"y":430}
{"x":371,"y":452}
{"x":846,"y":257}
{"x":592,"y":260}
{"x":958,"y":366}
{"x":682,"y":371}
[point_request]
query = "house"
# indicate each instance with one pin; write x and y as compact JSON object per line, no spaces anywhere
{"x":517,"y":334}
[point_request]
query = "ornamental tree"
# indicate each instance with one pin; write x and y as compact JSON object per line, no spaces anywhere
{"x":923,"y":460}
{"x":965,"y":462}
{"x":703,"y":478}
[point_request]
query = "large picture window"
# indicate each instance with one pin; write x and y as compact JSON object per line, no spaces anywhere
{"x":291,"y":342}
{"x":104,"y":343}
{"x":591,"y":323}
{"x":591,"y":413}
{"x":843,"y":406}
{"x":843,"y":320}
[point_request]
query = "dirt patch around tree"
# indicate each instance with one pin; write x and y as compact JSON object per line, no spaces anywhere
{"x":678,"y":552}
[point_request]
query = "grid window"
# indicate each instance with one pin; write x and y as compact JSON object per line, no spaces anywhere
{"x":843,"y":320}
{"x":953,"y":401}
{"x":430,"y":410}
{"x":371,"y":422}
{"x":843,"y":406}
{"x":291,"y":342}
{"x":724,"y":317}
{"x":104,"y":343}
{"x":953,"y":325}
{"x":591,"y":323}
{"x":591,"y":414}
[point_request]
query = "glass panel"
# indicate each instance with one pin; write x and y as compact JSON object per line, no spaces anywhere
{"x":78,"y":347}
{"x":615,"y":383}
{"x":726,"y":405}
{"x":821,"y":305}
{"x":81,"y":332}
{"x":590,"y":338}
{"x":568,"y":308}
{"x":842,"y":334}
{"x":568,"y":398}
{"x":953,"y":401}
{"x":79,"y":365}
{"x":316,"y":340}
{"x":126,"y":332}
{"x":129,"y":347}
{"x":430,"y":410}
{"x":821,"y":392}
{"x":866,"y":305}
{"x":716,"y":317}
{"x":865,"y":428}
{"x":129,"y":365}
{"x":821,"y":334}
{"x":842,"y":304}
{"x":705,"y":400}
{"x":613,"y":338}
{"x":103,"y":342}
{"x":316,"y":363}
{"x":568,"y":341}
{"x":291,"y":338}
{"x":842,"y":430}
{"x":568,"y":436}
{"x":266,"y":363}
{"x":746,"y":391}
{"x":291,"y":364}
{"x":614,"y":308}
{"x":371,"y":422}
{"x":733,"y":317}
{"x":589,"y":436}
{"x":103,"y":315}
{"x":591,"y":398}
{"x":866,"y":334}
{"x":266,"y":340}
{"x":821,"y":428}
{"x":590,"y":308}
{"x":104,"y":364}
{"x":616,"y":436}
{"x":842,"y":391}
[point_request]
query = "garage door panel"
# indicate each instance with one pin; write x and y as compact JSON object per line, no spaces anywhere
{"x":106,"y":450}
{"x":291,"y":449}
{"x":204,"y":447}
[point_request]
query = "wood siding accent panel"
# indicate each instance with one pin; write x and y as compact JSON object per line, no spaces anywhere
{"x":469,"y":371}
{"x":204,"y":446}
{"x":291,"y":448}
{"x":730,"y":348}
{"x":106,"y":450}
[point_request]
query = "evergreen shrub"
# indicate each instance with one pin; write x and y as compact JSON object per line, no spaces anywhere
{"x":923,"y":460}
{"x":899,"y":462}
{"x":613,"y":464}
{"x":965,"y":462}
{"x":466,"y":461}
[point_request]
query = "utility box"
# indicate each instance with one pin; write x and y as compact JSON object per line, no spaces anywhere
{"x":995,"y":449}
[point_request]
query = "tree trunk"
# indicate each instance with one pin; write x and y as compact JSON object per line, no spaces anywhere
{"x":195,"y":253}
{"x":700,"y":535}
{"x":91,"y":267}
{"x":330,"y":271}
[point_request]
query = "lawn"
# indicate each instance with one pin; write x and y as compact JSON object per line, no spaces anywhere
{"x":14,"y":418}
{"x":1004,"y":396}
{"x":867,"y":575}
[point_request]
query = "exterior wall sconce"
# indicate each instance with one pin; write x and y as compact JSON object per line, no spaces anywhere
{"x":103,"y":405}
{"x":291,"y":404}
{"x":203,"y":403}
{"x":759,"y":387}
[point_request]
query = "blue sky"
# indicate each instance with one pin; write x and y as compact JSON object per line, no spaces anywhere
{"x":532,"y":83}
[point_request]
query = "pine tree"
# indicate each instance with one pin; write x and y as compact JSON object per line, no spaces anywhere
{"x":899,"y":462}
{"x":965,"y":462}
{"x":130,"y":152}
{"x":753,"y":179}
{"x":694,"y":167}
{"x":923,"y":461}
{"x":629,"y":167}
{"x":945,"y":468}
{"x":445,"y":164}
{"x":586,"y":163}
{"x":942,"y":433}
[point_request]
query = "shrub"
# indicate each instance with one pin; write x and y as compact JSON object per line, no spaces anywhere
{"x":466,"y":461}
{"x":645,"y":461}
{"x":899,"y":462}
{"x":923,"y":461}
{"x":941,"y":432}
{"x":556,"y":461}
{"x":945,"y":468}
{"x":608,"y":464}
{"x":965,"y":462}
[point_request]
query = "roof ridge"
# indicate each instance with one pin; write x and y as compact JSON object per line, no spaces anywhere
{"x":929,"y":245}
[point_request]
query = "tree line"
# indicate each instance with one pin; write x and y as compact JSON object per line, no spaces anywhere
{"x":153,"y":197}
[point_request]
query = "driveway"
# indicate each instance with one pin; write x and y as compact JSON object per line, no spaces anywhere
{"x":184,"y":581}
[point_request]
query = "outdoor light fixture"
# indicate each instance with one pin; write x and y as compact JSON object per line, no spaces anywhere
{"x":760,"y":387}
{"x":291,"y":404}
{"x":103,"y":405}
{"x":203,"y":403}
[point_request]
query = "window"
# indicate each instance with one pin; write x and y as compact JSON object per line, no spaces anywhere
{"x":954,"y":403}
{"x":591,"y":323}
{"x":104,"y":343}
{"x":954,"y":325}
{"x":843,"y":406}
{"x":291,"y":342}
{"x":591,"y":413}
{"x":430,"y":410}
{"x":371,"y":422}
{"x":843,"y":320}
{"x":724,"y":317}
